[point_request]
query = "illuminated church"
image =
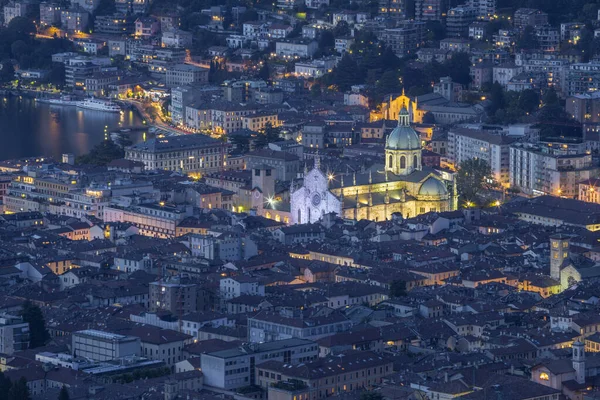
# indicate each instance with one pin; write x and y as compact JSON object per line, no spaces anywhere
{"x":402,"y":185}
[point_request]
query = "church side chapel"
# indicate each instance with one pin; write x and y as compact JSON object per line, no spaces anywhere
{"x":401,"y":185}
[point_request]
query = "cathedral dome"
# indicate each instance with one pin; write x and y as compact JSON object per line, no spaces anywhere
{"x":403,"y":137}
{"x":433,"y":187}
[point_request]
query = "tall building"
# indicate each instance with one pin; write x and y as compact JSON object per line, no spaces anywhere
{"x":402,"y":185}
{"x":584,"y":107}
{"x":529,"y":17}
{"x":582,"y":78}
{"x":485,"y":8}
{"x":458,"y":21}
{"x":430,"y":10}
{"x":184,"y":74}
{"x":177,"y":297}
{"x":14,"y":334}
{"x":539,"y":170}
{"x":393,"y":9}
{"x":492,"y":147}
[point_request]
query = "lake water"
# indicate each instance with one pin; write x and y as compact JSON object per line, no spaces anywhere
{"x":30,"y":129}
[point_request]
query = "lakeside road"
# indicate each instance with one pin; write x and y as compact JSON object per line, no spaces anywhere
{"x":158,"y":123}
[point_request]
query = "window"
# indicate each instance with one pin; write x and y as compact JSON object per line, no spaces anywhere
{"x":402,"y":162}
{"x":544,"y":376}
{"x":415,"y":163}
{"x":390,"y":161}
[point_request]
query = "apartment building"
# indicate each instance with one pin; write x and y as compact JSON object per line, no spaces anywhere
{"x":584,"y":107}
{"x":14,"y":334}
{"x":236,"y":367}
{"x":582,"y":78}
{"x":174,"y":296}
{"x":154,"y":220}
{"x":459,"y":19}
{"x":267,"y":326}
{"x":176,"y":38}
{"x":49,"y":13}
{"x":329,"y":376}
{"x":544,"y":170}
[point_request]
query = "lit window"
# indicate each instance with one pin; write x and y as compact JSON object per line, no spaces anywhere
{"x":544,"y":376}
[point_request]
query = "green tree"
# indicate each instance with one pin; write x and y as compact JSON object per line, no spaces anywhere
{"x":550,"y":98}
{"x":7,"y":72}
{"x":271,"y":133}
{"x":345,"y":74}
{"x":38,"y":334}
{"x":315,"y":90}
{"x":20,"y":28}
{"x":102,"y":154}
{"x":459,"y":68}
{"x":397,"y":289}
{"x":5,"y":384}
{"x":496,"y":98}
{"x":528,"y":39}
{"x":370,"y":395}
{"x":264,"y":72}
{"x":529,"y":101}
{"x":341,"y":29}
{"x":473,"y":178}
{"x":19,"y":391}
{"x":326,"y":40}
{"x":64,"y":394}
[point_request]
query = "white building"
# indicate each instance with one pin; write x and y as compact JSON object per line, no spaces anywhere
{"x":465,"y":144}
{"x":236,"y":286}
{"x":14,"y":9}
{"x":296,"y":48}
{"x":104,"y":346}
{"x":234,"y":368}
{"x":176,"y":38}
{"x":185,"y":74}
{"x":14,"y":334}
{"x":505,"y":72}
{"x":542,"y":170}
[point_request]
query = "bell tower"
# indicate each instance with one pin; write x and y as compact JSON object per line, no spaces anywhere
{"x":559,"y":251}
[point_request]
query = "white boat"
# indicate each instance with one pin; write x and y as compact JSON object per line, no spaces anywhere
{"x":62,"y":101}
{"x":98,"y":105}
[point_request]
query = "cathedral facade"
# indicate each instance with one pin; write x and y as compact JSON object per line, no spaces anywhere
{"x":401,"y":185}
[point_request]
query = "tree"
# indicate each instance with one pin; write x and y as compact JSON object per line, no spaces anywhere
{"x":20,"y":28}
{"x":397,"y":289}
{"x":345,"y":74}
{"x":529,"y":101}
{"x":428,"y":118}
{"x":496,"y":98}
{"x":7,"y":71}
{"x":528,"y":39}
{"x":5,"y":384}
{"x":264,"y":73}
{"x":341,"y":29}
{"x":64,"y":394}
{"x":326,"y":40}
{"x":459,"y":68}
{"x":19,"y":391}
{"x":38,"y":334}
{"x":371,"y":396}
{"x":227,"y":19}
{"x":550,"y":98}
{"x":102,"y":154}
{"x":473,"y":178}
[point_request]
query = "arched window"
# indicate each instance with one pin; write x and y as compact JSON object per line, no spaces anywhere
{"x":415,"y":162}
{"x":402,"y":162}
{"x":308,"y":216}
{"x":299,"y":216}
{"x":390,"y":161}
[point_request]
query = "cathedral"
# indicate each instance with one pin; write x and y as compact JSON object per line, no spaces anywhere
{"x":401,"y":185}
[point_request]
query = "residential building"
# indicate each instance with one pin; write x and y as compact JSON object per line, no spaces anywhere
{"x":267,"y":326}
{"x":529,"y":17}
{"x":458,"y":21}
{"x":351,"y":371}
{"x":49,"y":13}
{"x":155,"y":220}
{"x":538,"y":170}
{"x":589,"y":190}
{"x":584,"y":107}
{"x":74,"y":19}
{"x":492,"y":147}
{"x":503,"y":73}
{"x":239,"y":285}
{"x":286,"y":166}
{"x":116,"y":24}
{"x":430,"y":10}
{"x":146,"y":27}
{"x":176,"y":38}
{"x":582,"y":78}
{"x":296,"y":48}
{"x":172,"y":295}
{"x":14,"y":9}
{"x":14,"y":334}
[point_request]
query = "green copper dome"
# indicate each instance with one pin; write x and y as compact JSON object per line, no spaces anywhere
{"x":403,"y":137}
{"x":433,"y":187}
